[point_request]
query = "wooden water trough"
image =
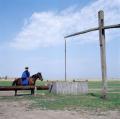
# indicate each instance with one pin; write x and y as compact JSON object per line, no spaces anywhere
{"x":16,"y":88}
{"x":69,"y":88}
{"x":13,"y":88}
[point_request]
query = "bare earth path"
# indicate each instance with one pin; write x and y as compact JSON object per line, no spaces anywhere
{"x":19,"y":110}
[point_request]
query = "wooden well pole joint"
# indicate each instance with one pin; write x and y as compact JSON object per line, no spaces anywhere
{"x":101,"y":29}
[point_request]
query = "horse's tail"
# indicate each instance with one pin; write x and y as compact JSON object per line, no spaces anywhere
{"x":14,"y":83}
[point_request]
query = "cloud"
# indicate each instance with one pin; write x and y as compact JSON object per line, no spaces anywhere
{"x":47,"y":29}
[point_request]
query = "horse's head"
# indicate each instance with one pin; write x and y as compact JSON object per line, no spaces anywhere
{"x":39,"y":75}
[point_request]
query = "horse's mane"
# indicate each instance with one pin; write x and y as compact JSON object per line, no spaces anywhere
{"x":33,"y":76}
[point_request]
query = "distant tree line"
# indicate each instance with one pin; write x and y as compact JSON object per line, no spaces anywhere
{"x":4,"y":77}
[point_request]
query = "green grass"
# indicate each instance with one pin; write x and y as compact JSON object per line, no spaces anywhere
{"x":77,"y":102}
{"x":5,"y":83}
{"x":9,"y":83}
{"x":45,"y":100}
{"x":95,"y":86}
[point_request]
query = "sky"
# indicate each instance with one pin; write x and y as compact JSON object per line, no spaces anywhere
{"x":32,"y":34}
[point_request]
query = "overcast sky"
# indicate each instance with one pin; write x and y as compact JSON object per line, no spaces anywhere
{"x":32,"y":34}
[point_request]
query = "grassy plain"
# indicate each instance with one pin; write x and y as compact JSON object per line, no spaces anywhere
{"x":46,"y":100}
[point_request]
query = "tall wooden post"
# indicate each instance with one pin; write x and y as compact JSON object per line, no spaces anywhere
{"x":103,"y":53}
{"x":65,"y":63}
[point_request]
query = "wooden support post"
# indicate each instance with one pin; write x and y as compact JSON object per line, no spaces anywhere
{"x":103,"y":53}
{"x":65,"y":63}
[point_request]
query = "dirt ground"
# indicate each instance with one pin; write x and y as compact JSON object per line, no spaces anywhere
{"x":20,"y":110}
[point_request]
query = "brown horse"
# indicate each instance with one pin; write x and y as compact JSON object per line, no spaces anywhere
{"x":32,"y":81}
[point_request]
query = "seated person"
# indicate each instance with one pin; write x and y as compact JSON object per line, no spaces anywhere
{"x":25,"y":76}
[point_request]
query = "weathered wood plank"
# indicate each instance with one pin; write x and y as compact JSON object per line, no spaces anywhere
{"x":13,"y":88}
{"x":73,"y":88}
{"x":93,"y":29}
{"x":102,"y":52}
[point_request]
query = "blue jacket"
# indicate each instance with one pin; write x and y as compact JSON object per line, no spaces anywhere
{"x":25,"y":75}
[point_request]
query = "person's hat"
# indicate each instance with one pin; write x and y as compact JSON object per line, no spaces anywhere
{"x":26,"y":67}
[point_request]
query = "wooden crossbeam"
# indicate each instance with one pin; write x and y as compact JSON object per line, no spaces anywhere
{"x":93,"y":29}
{"x":82,"y":32}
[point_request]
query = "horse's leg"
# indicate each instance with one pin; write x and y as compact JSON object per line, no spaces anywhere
{"x":32,"y":91}
{"x":15,"y":92}
{"x":30,"y":84}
